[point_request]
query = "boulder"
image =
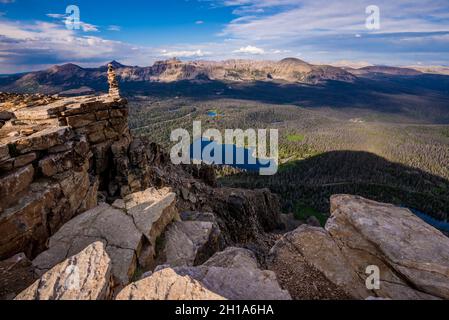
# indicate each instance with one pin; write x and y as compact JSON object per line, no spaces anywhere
{"x":234,"y":274}
{"x":189,"y":243}
{"x":413,"y":257}
{"x":123,"y":241}
{"x":245,"y":214}
{"x":362,"y":236}
{"x":237,"y":283}
{"x":152,"y":211}
{"x":129,"y":233}
{"x":233,"y":257}
{"x":231,"y":274}
{"x":167,"y":285}
{"x":310,"y":265}
{"x":85,"y":276}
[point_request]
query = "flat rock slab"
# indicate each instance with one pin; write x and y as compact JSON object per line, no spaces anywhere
{"x":189,"y":243}
{"x":235,"y":275}
{"x":413,"y":257}
{"x":85,"y":276}
{"x":237,"y":283}
{"x":122,"y":240}
{"x":152,"y":211}
{"x":129,"y":233}
{"x":310,"y":265}
{"x":41,"y":112}
{"x":233,"y":257}
{"x":231,"y":274}
{"x":361,"y":236}
{"x":167,"y":285}
{"x":43,"y":140}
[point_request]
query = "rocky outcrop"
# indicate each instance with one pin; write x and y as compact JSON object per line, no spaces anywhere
{"x":110,"y":226}
{"x":52,"y":169}
{"x":239,"y":280}
{"x":85,"y":276}
{"x":71,"y":151}
{"x":167,"y":285}
{"x":189,"y":243}
{"x":242,"y":215}
{"x":129,"y":233}
{"x":79,"y":79}
{"x":245,"y":215}
{"x":233,"y":257}
{"x":308,"y":263}
{"x":413,"y":257}
{"x":60,"y":157}
{"x":233,"y":274}
{"x":152,"y":210}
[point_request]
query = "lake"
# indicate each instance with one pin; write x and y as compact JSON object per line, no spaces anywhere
{"x":249,"y":163}
{"x":440,"y":225}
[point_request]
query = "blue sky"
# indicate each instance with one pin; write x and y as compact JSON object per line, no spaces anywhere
{"x":33,"y":34}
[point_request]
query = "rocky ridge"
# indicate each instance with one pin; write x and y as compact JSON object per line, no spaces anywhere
{"x":71,"y":174}
{"x":411,"y":256}
{"x":89,"y":212}
{"x":70,"y":78}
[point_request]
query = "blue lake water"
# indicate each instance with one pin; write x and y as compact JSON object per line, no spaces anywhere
{"x":212,"y":114}
{"x":249,"y":163}
{"x":440,"y":225}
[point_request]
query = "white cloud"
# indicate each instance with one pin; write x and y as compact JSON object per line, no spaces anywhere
{"x":295,"y":19}
{"x":114,"y":28}
{"x":56,"y":15}
{"x":184,"y":53}
{"x":199,"y":22}
{"x":250,"y":50}
{"x":319,"y":29}
{"x":25,"y":46}
{"x":86,"y":27}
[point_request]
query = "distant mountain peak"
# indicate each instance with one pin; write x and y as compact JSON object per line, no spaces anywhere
{"x":292,"y":60}
{"x":68,"y":67}
{"x":115,"y":64}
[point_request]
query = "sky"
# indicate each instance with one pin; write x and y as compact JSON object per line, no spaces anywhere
{"x":34,"y":34}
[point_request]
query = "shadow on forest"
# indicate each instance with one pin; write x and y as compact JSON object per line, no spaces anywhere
{"x":424,"y":97}
{"x":313,"y":181}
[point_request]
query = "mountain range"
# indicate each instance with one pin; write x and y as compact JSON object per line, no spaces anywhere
{"x":73,"y":79}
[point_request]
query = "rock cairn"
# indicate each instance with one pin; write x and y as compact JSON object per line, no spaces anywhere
{"x":114,"y":90}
